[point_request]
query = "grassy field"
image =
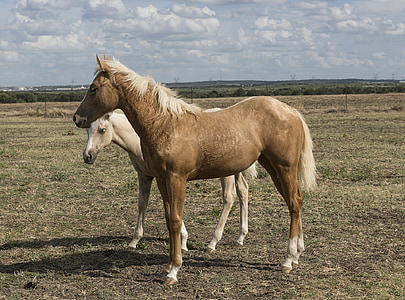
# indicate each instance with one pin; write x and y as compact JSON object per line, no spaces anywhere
{"x":65,"y":225}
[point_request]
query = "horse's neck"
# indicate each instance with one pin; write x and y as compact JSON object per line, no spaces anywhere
{"x":143,"y":114}
{"x":124,"y":135}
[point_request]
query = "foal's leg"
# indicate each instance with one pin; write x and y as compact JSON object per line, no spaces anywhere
{"x":242,"y":189}
{"x":145,"y":183}
{"x":228,"y":197}
{"x":173,"y":191}
{"x":285,"y":180}
{"x":184,"y":237}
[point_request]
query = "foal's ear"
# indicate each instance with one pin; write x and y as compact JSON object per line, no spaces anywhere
{"x":107,"y":116}
{"x":106,"y":57}
{"x":102,"y":64}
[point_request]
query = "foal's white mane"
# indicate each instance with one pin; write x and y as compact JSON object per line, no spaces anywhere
{"x":167,"y":99}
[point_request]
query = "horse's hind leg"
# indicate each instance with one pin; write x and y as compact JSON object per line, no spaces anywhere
{"x":285,"y":180}
{"x":145,"y":183}
{"x":228,"y":197}
{"x":242,"y":189}
{"x":294,"y":200}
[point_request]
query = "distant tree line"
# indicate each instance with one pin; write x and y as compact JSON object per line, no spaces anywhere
{"x":28,"y":97}
{"x":222,"y":91}
{"x":289,"y":90}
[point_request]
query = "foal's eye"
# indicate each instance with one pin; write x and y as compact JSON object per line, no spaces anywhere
{"x":103,"y":130}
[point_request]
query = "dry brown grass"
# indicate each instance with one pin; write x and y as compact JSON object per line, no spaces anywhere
{"x":64,"y":225}
{"x":306,"y":104}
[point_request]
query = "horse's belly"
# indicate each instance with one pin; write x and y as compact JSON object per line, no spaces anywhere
{"x":225,"y":151}
{"x":224,"y":163}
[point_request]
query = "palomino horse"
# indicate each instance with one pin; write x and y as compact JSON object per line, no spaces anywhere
{"x":180,"y":143}
{"x":115,"y":127}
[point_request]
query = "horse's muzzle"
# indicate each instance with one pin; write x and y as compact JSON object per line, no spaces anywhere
{"x":80,"y":122}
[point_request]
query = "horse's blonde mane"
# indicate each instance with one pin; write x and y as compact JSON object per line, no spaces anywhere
{"x":167,"y":99}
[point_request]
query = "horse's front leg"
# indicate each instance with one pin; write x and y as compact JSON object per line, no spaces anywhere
{"x":173,"y":191}
{"x":145,"y":183}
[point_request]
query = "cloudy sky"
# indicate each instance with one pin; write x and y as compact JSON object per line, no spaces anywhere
{"x":49,"y":42}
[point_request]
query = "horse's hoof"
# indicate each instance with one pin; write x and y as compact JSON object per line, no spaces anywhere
{"x":132,"y":245}
{"x":169,"y":281}
{"x":209,"y":250}
{"x":239,"y":243}
{"x":286,"y":270}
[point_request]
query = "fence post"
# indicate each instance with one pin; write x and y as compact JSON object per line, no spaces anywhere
{"x":346,"y":110}
{"x":45,"y":105}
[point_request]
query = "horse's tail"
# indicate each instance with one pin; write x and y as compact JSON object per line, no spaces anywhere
{"x":306,"y":164}
{"x":251,"y":172}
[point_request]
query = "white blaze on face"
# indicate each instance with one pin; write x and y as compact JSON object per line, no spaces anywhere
{"x":90,"y":135}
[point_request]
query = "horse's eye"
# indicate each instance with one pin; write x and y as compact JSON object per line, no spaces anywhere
{"x":102,"y":131}
{"x":93,"y":88}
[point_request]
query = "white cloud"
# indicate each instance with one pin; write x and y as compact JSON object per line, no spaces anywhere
{"x":379,"y":55}
{"x":312,"y":5}
{"x":192,"y":11}
{"x":382,"y":6}
{"x":357,"y":26}
{"x":307,"y":36}
{"x":46,"y":27}
{"x":246,"y":39}
{"x":272,"y":24}
{"x":35,"y":5}
{"x":149,"y":21}
{"x":398,"y":29}
{"x":100,"y":9}
{"x":147,"y":12}
{"x":73,"y":41}
{"x":47,"y":42}
{"x":9,"y":56}
{"x":243,"y":39}
{"x":225,"y":2}
{"x":344,"y":13}
{"x":195,"y":53}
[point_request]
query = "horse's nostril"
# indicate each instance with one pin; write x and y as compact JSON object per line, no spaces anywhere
{"x":79,"y":121}
{"x":89,"y":158}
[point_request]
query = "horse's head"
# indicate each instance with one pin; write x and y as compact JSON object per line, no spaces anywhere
{"x":102,"y":97}
{"x":99,"y":135}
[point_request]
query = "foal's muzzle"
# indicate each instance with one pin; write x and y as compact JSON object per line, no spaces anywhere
{"x":89,"y":158}
{"x":80,"y":122}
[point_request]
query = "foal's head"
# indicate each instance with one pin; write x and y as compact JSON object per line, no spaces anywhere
{"x":100,"y":135}
{"x":102,"y":97}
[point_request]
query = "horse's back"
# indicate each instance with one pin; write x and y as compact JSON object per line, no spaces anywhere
{"x":277,"y":127}
{"x":255,"y":114}
{"x":235,"y":137}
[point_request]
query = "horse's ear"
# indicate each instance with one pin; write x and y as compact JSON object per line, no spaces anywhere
{"x":106,"y":57}
{"x":102,"y":64}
